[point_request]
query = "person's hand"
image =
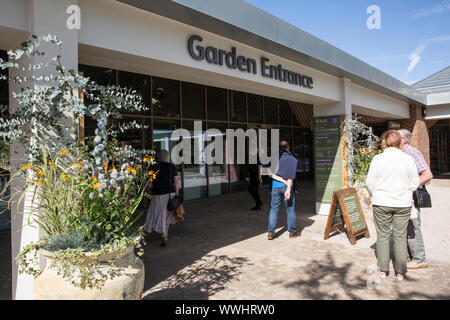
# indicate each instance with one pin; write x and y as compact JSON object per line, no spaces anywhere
{"x":287,"y":195}
{"x":260,"y":179}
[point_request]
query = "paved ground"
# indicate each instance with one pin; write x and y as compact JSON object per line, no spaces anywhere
{"x":221,"y":252}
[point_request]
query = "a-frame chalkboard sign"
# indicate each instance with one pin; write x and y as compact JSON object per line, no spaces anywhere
{"x":346,"y":210}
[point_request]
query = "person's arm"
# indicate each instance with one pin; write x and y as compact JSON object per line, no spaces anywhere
{"x":176,"y":185}
{"x":260,"y":173}
{"x":278,"y":178}
{"x":287,"y":194}
{"x":425,"y":177}
{"x":414,"y":177}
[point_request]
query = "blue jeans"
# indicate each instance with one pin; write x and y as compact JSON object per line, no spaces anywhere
{"x":277,"y":198}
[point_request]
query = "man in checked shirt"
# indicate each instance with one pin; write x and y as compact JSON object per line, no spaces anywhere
{"x":416,"y":246}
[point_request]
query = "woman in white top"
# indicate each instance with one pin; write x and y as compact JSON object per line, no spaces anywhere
{"x":391,"y":180}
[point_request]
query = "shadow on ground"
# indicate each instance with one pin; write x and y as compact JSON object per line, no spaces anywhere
{"x":186,"y":266}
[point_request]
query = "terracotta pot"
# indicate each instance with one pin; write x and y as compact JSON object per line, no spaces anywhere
{"x":127,"y":282}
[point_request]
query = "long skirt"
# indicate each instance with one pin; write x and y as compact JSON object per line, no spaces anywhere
{"x":158,"y":217}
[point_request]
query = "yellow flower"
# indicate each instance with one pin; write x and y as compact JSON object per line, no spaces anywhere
{"x":145,"y":159}
{"x":63,"y":152}
{"x":152,"y":174}
{"x":94,"y":177}
{"x":151,"y":159}
{"x":40,"y":173}
{"x":24,"y":167}
{"x":40,"y":181}
{"x":132,"y":170}
{"x":63,"y":177}
{"x":51,"y":163}
{"x":97,"y":186}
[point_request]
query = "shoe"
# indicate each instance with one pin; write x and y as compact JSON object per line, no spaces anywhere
{"x":416,"y":265}
{"x":255,"y":208}
{"x":383,"y":274}
{"x":271,"y":236}
{"x":400,"y":277}
{"x":294,"y":235}
{"x":164,"y":242}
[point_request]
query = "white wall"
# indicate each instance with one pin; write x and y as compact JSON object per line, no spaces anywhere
{"x":371,"y":103}
{"x":124,"y":29}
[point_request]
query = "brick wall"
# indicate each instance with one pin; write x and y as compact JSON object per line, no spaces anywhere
{"x":418,"y":127}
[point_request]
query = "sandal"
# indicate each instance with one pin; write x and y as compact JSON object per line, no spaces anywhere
{"x":164,"y":242}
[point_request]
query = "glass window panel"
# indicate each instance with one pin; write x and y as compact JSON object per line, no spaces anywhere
{"x":270,"y":110}
{"x":255,"y":108}
{"x":132,"y":137}
{"x":285,"y":113}
{"x":237,"y":105}
{"x":166,"y":97}
{"x":216,"y":100}
{"x":193,"y":100}
{"x":162,"y":133}
{"x":138,"y":82}
{"x":100,"y":75}
{"x":218,"y":182}
{"x":238,"y":173}
{"x":194,"y":174}
{"x":286,"y":134}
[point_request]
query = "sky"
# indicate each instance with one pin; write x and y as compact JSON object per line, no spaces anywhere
{"x":413,"y":41}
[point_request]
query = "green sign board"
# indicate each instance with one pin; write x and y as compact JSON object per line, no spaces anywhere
{"x":354,"y":214}
{"x":328,"y":156}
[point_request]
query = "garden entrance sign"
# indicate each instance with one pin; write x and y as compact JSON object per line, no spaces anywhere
{"x":346,"y":210}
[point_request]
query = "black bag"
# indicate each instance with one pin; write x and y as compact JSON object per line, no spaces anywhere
{"x":175,"y":202}
{"x":422,"y":198}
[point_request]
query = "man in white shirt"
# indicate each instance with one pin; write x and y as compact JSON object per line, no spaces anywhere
{"x":391,"y":180}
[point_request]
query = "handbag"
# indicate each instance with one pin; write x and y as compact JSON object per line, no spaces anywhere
{"x":179,"y":214}
{"x":176,"y":201}
{"x":422,"y":198}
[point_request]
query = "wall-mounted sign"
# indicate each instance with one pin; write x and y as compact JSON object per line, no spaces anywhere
{"x":232,"y":60}
{"x":328,"y":156}
{"x":394,"y":125}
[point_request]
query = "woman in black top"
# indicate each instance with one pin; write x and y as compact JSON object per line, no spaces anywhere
{"x":164,"y":187}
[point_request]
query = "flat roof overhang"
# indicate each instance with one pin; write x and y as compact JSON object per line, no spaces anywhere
{"x":245,"y":23}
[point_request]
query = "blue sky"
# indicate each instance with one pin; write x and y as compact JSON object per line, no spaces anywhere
{"x":413,"y":42}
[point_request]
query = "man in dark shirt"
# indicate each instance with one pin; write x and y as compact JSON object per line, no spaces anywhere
{"x":283,"y":190}
{"x":255,"y":180}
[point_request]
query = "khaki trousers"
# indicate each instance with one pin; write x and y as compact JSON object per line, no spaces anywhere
{"x":391,"y":220}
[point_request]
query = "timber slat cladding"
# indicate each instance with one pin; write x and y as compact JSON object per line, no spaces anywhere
{"x":303,"y":112}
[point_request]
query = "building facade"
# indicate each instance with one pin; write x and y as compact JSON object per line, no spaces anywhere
{"x":229,"y":65}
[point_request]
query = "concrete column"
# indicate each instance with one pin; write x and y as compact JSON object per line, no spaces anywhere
{"x":420,"y":138}
{"x":44,"y":17}
{"x":342,"y":107}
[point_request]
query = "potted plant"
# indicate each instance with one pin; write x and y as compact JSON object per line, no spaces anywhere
{"x":84,"y":192}
{"x":362,"y":147}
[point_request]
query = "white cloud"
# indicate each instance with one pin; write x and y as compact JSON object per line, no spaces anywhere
{"x":415,"y":56}
{"x":441,"y":7}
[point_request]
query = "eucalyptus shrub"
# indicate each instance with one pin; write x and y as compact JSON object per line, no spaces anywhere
{"x":362,"y":147}
{"x":85,"y":192}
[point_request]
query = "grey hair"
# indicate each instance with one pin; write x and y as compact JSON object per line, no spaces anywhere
{"x":405,"y":134}
{"x":163,"y":156}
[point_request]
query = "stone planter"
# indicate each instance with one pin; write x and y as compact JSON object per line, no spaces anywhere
{"x":127,"y":282}
{"x":366,"y":201}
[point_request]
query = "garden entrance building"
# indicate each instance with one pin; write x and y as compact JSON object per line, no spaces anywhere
{"x":229,"y":65}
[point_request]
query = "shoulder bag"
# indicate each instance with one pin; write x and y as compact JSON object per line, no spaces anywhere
{"x":422,"y":198}
{"x":176,"y":201}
